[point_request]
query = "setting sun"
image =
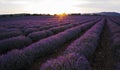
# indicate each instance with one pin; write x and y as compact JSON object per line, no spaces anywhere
{"x":61,"y":16}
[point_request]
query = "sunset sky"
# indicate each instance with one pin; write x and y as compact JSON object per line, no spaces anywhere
{"x":58,"y":6}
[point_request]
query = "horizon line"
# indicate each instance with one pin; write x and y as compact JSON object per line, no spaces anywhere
{"x":55,"y":13}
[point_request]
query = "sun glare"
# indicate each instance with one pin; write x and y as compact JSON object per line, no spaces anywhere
{"x":61,"y":16}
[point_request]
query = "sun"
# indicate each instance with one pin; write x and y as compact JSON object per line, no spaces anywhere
{"x":61,"y":16}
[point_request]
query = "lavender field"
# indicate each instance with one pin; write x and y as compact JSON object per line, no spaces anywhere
{"x":53,"y":43}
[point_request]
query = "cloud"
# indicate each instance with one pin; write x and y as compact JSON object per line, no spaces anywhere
{"x":101,"y":5}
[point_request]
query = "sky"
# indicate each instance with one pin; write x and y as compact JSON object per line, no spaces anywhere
{"x":58,"y":6}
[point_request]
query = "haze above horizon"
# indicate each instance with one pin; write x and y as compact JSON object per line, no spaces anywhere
{"x":58,"y":6}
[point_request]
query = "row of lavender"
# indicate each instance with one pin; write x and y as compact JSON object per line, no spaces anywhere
{"x":26,"y":22}
{"x":35,"y":36}
{"x":35,"y":22}
{"x":20,"y":59}
{"x":116,"y":20}
{"x":76,"y":55}
{"x":114,"y":28}
{"x":7,"y":33}
{"x":12,"y":32}
{"x":22,"y":41}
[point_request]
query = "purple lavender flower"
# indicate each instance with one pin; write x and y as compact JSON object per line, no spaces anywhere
{"x":14,"y":42}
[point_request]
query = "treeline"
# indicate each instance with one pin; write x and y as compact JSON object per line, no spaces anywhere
{"x":26,"y":14}
{"x":23,"y":14}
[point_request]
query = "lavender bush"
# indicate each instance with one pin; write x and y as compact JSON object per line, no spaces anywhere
{"x":14,"y":42}
{"x":6,"y":35}
{"x":30,"y":30}
{"x":4,"y":30}
{"x":115,"y":34}
{"x":71,"y":61}
{"x":35,"y":36}
{"x":60,"y":28}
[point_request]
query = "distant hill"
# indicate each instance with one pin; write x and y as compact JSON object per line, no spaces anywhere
{"x":109,"y":13}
